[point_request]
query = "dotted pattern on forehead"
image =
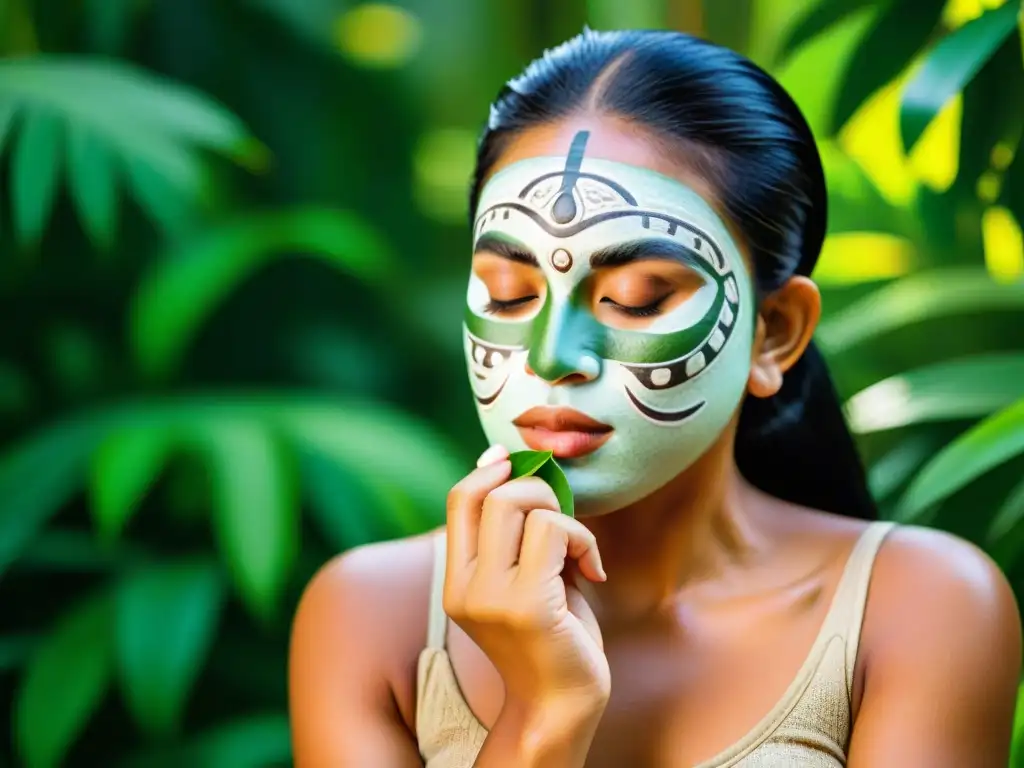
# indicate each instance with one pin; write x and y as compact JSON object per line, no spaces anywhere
{"x":561,"y":260}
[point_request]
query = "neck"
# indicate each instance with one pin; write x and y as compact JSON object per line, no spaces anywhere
{"x":693,"y":530}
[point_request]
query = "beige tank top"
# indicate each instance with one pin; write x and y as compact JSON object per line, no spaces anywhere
{"x":808,"y":728}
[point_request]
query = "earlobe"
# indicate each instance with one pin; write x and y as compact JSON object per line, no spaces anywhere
{"x":785,"y":324}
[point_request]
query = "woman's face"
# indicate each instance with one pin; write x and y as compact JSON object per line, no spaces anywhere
{"x":610,"y":314}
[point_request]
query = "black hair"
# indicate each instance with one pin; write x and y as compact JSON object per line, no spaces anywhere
{"x":748,"y":137}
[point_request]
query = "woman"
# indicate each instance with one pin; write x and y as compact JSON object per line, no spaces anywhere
{"x":647,"y":207}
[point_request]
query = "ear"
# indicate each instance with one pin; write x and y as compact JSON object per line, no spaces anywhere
{"x":785,"y":324}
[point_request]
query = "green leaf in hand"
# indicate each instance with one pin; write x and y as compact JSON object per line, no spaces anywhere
{"x":542,"y":464}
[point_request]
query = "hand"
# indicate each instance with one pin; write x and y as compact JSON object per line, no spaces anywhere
{"x":510,"y":552}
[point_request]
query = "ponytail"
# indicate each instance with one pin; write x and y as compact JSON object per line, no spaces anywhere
{"x":796,"y":445}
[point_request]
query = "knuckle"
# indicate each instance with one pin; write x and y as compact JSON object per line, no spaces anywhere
{"x":457,"y":495}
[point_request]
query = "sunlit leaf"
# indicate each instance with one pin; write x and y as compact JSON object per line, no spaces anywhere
{"x":256,"y":741}
{"x":37,"y":476}
{"x":92,"y":181}
{"x":35,"y":167}
{"x":126,"y":465}
{"x":255,"y":514}
{"x":957,"y":389}
{"x":166,"y":621}
{"x":950,"y":66}
{"x":901,"y":30}
{"x":191,"y":282}
{"x":542,"y":464}
{"x":944,"y":292}
{"x":1017,"y":748}
{"x":65,"y":681}
{"x":810,"y":74}
{"x":983,"y":447}
{"x":820,"y":16}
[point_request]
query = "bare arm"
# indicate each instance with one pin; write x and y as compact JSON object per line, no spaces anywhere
{"x":356,"y":623}
{"x":942,"y":654}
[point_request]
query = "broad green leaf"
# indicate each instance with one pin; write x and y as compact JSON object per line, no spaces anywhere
{"x":379,"y":444}
{"x":918,"y":297}
{"x":100,"y":92}
{"x":820,"y":17}
{"x":257,"y":741}
{"x":152,"y":126}
{"x":35,"y":167}
{"x":37,"y":476}
{"x":165,"y":625}
{"x":983,"y":447}
{"x":1009,"y":515}
{"x":958,"y":389}
{"x":950,"y":66}
{"x":902,"y":29}
{"x":165,"y":205}
{"x":542,"y":464}
{"x":896,"y":467}
{"x":192,"y":281}
{"x":127,"y":464}
{"x":1017,"y":748}
{"x":64,"y":683}
{"x":526,"y":463}
{"x":812,"y":78}
{"x":255,"y":514}
{"x":92,"y":182}
{"x":349,"y":509}
{"x":7,"y":114}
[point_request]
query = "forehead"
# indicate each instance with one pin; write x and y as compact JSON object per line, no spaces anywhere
{"x":575,"y":198}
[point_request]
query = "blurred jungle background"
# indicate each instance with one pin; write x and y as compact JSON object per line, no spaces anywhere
{"x":232,"y":258}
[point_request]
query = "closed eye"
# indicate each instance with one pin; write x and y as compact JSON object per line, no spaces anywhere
{"x":647,"y":310}
{"x":498,"y":306}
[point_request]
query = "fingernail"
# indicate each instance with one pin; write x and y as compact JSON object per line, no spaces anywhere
{"x":492,"y":455}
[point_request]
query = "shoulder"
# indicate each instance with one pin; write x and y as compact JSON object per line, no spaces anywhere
{"x":371,"y":604}
{"x":935,"y":576}
{"x":939,"y":602}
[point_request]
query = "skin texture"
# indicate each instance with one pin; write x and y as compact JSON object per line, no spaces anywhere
{"x":714,"y":595}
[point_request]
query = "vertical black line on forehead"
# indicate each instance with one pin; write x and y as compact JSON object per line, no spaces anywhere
{"x":564,"y":209}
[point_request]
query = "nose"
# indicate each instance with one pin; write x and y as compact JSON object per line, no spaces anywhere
{"x":561,"y":352}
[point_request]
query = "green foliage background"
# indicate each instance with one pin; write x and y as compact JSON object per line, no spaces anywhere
{"x":232,"y":254}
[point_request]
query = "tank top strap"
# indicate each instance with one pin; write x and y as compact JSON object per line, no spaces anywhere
{"x":846,"y":614}
{"x":437,"y":621}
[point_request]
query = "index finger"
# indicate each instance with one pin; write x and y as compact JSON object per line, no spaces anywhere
{"x":464,"y":509}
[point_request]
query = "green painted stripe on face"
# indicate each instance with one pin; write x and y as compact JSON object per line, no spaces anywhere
{"x":557,"y":338}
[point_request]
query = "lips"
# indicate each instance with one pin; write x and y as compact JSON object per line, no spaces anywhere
{"x":568,"y":434}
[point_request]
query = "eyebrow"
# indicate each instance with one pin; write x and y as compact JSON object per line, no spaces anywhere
{"x":652,"y":248}
{"x":506,"y":249}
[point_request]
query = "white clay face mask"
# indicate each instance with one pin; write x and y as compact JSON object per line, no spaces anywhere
{"x":662,"y":389}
